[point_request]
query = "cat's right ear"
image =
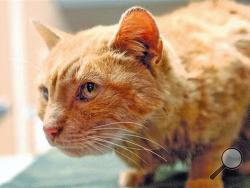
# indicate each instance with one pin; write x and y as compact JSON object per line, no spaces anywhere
{"x":50,"y":35}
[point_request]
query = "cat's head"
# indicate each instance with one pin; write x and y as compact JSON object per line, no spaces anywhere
{"x":100,"y":83}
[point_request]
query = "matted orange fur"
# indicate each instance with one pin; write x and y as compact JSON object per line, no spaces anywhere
{"x":154,"y":94}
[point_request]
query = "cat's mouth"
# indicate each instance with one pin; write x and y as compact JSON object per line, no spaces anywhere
{"x":83,"y":149}
{"x":77,"y":148}
{"x":99,"y":140}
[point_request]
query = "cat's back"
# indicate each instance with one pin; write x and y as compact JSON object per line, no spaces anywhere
{"x":213,"y":43}
{"x":207,"y":34}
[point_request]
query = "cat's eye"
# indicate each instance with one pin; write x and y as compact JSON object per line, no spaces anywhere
{"x":87,"y":91}
{"x":45,"y":93}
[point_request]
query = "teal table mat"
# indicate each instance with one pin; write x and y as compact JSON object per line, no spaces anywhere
{"x":54,"y":170}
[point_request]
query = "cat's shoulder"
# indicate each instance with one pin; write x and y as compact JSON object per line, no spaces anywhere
{"x":205,"y":33}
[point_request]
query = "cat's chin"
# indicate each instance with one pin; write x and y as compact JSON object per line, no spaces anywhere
{"x":80,"y":153}
{"x":72,"y":153}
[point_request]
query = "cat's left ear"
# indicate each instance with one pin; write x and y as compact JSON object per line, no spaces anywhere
{"x":138,"y":36}
{"x":50,"y":35}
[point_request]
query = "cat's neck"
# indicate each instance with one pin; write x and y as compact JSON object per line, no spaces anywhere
{"x":173,"y":73}
{"x":173,"y":78}
{"x":173,"y":61}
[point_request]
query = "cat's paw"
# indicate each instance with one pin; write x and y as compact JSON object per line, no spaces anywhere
{"x":204,"y":183}
{"x":132,"y":178}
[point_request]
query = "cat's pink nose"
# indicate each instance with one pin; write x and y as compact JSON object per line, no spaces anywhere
{"x":52,"y":132}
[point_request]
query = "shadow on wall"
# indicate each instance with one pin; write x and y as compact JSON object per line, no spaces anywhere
{"x":3,"y":110}
{"x":80,"y":15}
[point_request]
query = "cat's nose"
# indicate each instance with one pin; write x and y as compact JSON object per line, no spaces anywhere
{"x":52,"y":132}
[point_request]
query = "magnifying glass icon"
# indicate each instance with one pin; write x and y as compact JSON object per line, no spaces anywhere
{"x":231,"y":159}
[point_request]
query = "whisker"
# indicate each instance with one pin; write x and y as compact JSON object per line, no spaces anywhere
{"x":122,"y":122}
{"x":122,"y":147}
{"x":76,"y":141}
{"x":134,"y":135}
{"x":137,"y":136}
{"x":98,"y":148}
{"x":138,"y":146}
{"x":71,"y":140}
{"x":127,"y":157}
{"x":87,"y":145}
{"x":91,"y":147}
{"x":80,"y":135}
{"x":112,"y":128}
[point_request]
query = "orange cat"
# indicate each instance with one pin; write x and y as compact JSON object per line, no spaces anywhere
{"x":154,"y":94}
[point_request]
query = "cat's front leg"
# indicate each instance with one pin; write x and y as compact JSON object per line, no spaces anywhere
{"x":135,"y":177}
{"x":203,"y":166}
